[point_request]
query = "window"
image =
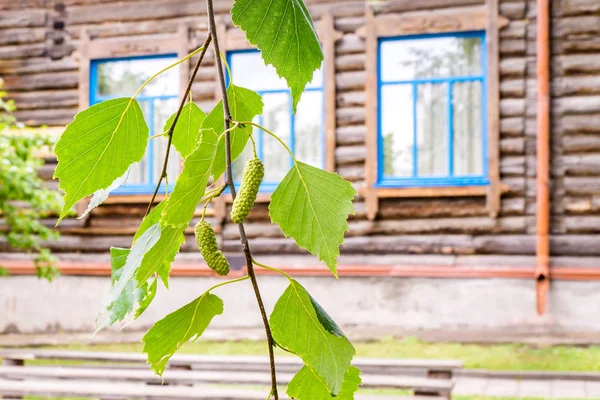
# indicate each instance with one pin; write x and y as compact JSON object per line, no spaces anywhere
{"x":112,"y":78}
{"x":432,"y":113}
{"x":302,"y":132}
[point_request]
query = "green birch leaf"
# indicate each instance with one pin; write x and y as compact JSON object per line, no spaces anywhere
{"x":127,"y":274}
{"x":297,"y":327}
{"x":284,"y":32}
{"x":127,"y":300}
{"x":191,"y":183}
{"x":158,"y":259}
{"x":187,"y":131}
{"x":244,"y":105}
{"x":144,"y":302}
{"x":171,"y":332}
{"x":98,"y":147}
{"x":308,"y":385}
{"x":312,"y":206}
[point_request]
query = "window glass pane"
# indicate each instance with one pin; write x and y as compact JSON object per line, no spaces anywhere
{"x":432,"y":57}
{"x":163,"y":109}
{"x":276,"y":118}
{"x":397,"y":130}
{"x":467,"y":125}
{"x":138,"y":173}
{"x":308,"y":126}
{"x":124,"y":77}
{"x":432,"y":132}
{"x":249,"y":70}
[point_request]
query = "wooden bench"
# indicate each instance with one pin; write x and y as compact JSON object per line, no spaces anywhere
{"x":380,"y":366}
{"x":232,"y":370}
{"x":127,"y":391}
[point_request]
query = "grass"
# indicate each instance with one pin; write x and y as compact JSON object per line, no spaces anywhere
{"x":493,"y":357}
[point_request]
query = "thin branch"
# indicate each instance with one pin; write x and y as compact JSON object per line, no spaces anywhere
{"x":229,"y":182}
{"x":169,"y":132}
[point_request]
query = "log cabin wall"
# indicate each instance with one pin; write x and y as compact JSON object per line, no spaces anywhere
{"x":39,"y":61}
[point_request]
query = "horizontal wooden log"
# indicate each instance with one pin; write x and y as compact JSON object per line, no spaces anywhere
{"x":392,"y":6}
{"x":350,"y":62}
{"x":50,"y":117}
{"x":516,"y":29}
{"x":512,"y":206}
{"x":349,"y":24}
{"x":512,"y":107}
{"x":582,"y":224}
{"x":576,"y":105}
{"x":350,"y":44}
{"x":575,"y":64}
{"x":350,"y":116}
{"x":575,"y":85}
{"x":514,"y":126}
{"x":584,"y":44}
{"x":512,"y":146}
{"x":579,"y":124}
{"x":351,"y":99}
{"x":22,"y":36}
{"x":516,"y":185}
{"x":351,"y":173}
{"x":581,"y":164}
{"x":58,"y":80}
{"x":515,"y":67}
{"x":350,"y":155}
{"x":512,"y":88}
{"x":580,"y":143}
{"x":575,"y":26}
{"x":114,"y":29}
{"x":513,"y":47}
{"x":350,"y":135}
{"x":567,"y":8}
{"x":432,"y":208}
{"x":350,"y":80}
{"x":28,"y":19}
{"x":23,"y":51}
{"x":582,"y":185}
{"x":37,"y":65}
{"x":513,"y":10}
{"x":45,"y":99}
{"x":512,"y":165}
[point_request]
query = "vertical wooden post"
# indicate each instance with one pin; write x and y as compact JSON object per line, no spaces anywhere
{"x":493,"y":107}
{"x":328,"y":38}
{"x":543,"y":156}
{"x":370,"y":194}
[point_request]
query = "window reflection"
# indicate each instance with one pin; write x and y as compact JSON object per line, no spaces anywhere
{"x":431,"y":107}
{"x":302,"y":132}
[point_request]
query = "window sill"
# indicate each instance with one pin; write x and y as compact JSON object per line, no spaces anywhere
{"x":441,"y":191}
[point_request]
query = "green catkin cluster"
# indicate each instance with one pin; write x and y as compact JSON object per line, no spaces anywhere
{"x":253,"y":174}
{"x":207,"y":243}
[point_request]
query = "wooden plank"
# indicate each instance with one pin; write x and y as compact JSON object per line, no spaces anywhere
{"x":213,"y":361}
{"x":133,"y":46}
{"x":121,"y":391}
{"x":493,"y":99}
{"x":453,"y":191}
{"x":228,"y":377}
{"x":370,"y":111}
{"x":434,"y":21}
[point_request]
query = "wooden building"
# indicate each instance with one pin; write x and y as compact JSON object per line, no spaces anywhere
{"x":431,"y":108}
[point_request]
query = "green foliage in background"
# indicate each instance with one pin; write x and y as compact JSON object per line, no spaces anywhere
{"x":24,"y":202}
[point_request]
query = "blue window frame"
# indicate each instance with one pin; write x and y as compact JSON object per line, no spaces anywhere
{"x":121,"y":77}
{"x":432,"y":110}
{"x":303,"y":132}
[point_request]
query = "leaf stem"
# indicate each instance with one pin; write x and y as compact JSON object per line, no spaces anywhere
{"x":272,"y":134}
{"x":243,"y":278}
{"x":169,"y":132}
{"x":273,"y":269}
{"x":193,"y":53}
{"x":229,"y":182}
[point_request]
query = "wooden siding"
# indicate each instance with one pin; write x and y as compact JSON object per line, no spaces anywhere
{"x":40,"y":53}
